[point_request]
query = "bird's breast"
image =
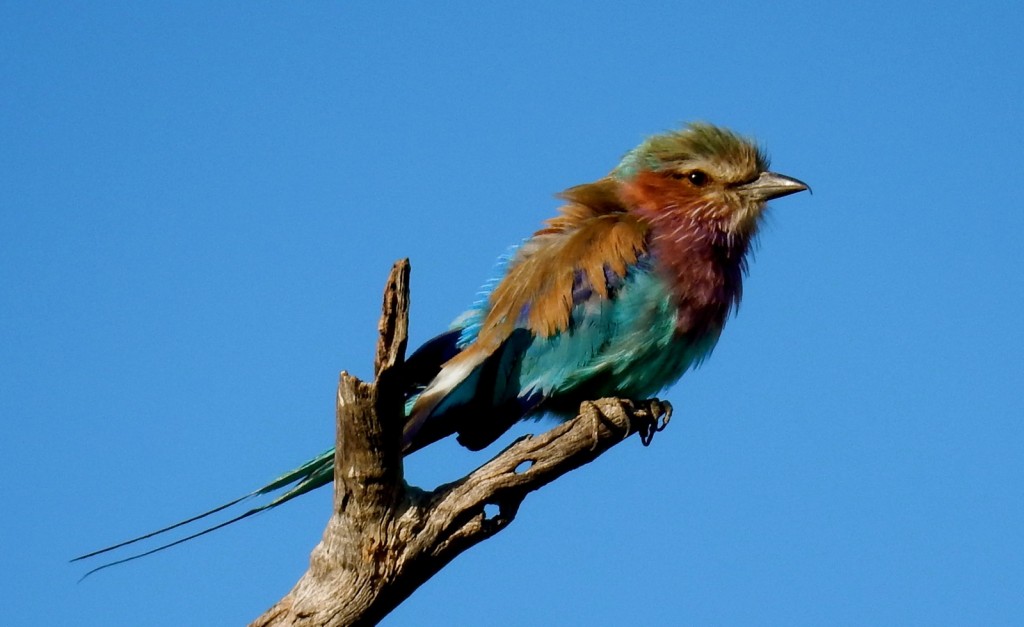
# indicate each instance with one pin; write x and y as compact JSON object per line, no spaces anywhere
{"x":704,"y":277}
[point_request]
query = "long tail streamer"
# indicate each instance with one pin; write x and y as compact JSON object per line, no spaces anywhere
{"x":315,"y":473}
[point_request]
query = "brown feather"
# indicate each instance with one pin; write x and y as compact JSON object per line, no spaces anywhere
{"x":591,"y":234}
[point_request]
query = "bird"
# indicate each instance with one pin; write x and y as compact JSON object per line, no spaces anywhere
{"x":618,"y":295}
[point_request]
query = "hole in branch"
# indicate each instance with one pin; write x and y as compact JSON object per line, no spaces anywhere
{"x":491,"y":511}
{"x":524,"y":465}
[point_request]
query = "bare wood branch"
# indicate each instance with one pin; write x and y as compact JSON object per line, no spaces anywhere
{"x":384,"y":538}
{"x":393,"y":328}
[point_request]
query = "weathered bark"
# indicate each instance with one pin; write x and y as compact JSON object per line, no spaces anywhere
{"x":385,"y":538}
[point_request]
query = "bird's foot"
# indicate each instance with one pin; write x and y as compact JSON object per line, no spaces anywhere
{"x":591,"y":410}
{"x":653,"y":416}
{"x":649,"y":416}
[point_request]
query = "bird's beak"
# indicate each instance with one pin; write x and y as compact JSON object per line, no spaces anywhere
{"x":772,"y":185}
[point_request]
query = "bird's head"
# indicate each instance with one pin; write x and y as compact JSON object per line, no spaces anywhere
{"x":704,"y":174}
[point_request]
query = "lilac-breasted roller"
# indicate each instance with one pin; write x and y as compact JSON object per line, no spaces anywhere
{"x":618,"y":295}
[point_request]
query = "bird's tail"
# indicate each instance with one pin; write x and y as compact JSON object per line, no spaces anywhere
{"x":419,"y":369}
{"x":315,"y":473}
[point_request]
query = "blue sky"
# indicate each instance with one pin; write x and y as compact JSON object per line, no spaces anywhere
{"x":199,"y":205}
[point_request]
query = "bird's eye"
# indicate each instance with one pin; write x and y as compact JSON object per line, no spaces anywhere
{"x":697,"y":177}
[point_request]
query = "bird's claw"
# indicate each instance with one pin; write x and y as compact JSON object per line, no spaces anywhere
{"x":650,"y":416}
{"x":654,"y":415}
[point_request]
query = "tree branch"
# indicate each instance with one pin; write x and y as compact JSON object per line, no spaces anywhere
{"x":384,"y":538}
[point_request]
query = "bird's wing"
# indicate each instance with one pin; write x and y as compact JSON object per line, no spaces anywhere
{"x":581,"y":254}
